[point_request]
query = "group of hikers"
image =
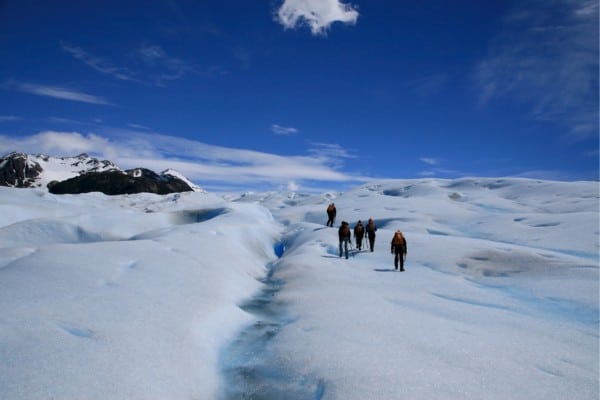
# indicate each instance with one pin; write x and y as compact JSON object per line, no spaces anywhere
{"x":398,"y":243}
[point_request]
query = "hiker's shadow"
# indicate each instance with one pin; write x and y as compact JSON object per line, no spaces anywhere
{"x":383,"y":270}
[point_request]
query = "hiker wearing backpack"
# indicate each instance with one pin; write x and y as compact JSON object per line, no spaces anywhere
{"x":359,"y":232}
{"x":344,"y":235}
{"x":331,"y":212}
{"x":399,"y":249}
{"x":371,"y":229}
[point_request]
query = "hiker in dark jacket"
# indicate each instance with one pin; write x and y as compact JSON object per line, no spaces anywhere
{"x":344,"y":235}
{"x":399,"y":249}
{"x":359,"y":233}
{"x":371,"y":229}
{"x":331,"y":212}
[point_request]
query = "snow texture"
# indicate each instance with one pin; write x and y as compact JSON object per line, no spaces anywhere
{"x":193,"y":296}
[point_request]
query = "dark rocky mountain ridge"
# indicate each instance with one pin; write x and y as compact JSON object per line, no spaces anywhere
{"x":82,"y":174}
{"x":120,"y":182}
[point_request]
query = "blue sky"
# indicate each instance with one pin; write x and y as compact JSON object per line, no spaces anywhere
{"x":306,"y":94}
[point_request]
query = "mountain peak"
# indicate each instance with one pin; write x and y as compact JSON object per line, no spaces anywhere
{"x":41,"y":171}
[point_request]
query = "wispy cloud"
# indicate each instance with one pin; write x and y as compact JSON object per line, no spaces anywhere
{"x":436,"y":169}
{"x":318,"y":15}
{"x":97,"y":63}
{"x":430,"y":160}
{"x":153,"y":66}
{"x":138,"y":126}
{"x":556,"y":175}
{"x":56,"y":92}
{"x":65,"y":121}
{"x":331,"y":154}
{"x":203,"y":163}
{"x":160,"y":67}
{"x":546,"y":59}
{"x":430,"y":85}
{"x":283,"y":130}
{"x":9,"y":118}
{"x":442,"y":173}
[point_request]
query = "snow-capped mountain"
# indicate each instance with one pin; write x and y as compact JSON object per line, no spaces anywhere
{"x":38,"y":171}
{"x":175,"y":174}
{"x":26,"y":170}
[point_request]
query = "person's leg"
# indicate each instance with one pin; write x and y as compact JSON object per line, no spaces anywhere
{"x":401,"y":255}
{"x":396,"y":260}
{"x":340,"y":248}
{"x":346,"y":248}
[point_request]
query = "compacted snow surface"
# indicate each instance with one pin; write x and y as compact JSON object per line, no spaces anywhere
{"x":194,"y":296}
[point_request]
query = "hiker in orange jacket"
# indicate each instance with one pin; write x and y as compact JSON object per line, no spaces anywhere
{"x":399,"y":249}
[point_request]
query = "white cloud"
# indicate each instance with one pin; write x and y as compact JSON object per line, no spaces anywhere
{"x":196,"y":160}
{"x":318,"y":15}
{"x":546,"y":59}
{"x":283,"y":130}
{"x":430,"y":161}
{"x":57,"y":144}
{"x":56,"y":92}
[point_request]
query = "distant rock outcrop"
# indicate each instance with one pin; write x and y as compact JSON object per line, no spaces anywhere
{"x":117,"y":182}
{"x":84,"y":174}
{"x":18,"y":171}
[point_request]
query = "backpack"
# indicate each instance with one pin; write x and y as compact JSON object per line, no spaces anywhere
{"x":398,"y":239}
{"x":359,"y":230}
{"x":330,"y":208}
{"x":344,"y":231}
{"x":371,"y":227}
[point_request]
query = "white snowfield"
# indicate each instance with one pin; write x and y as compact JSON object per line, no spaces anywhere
{"x":149,"y":297}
